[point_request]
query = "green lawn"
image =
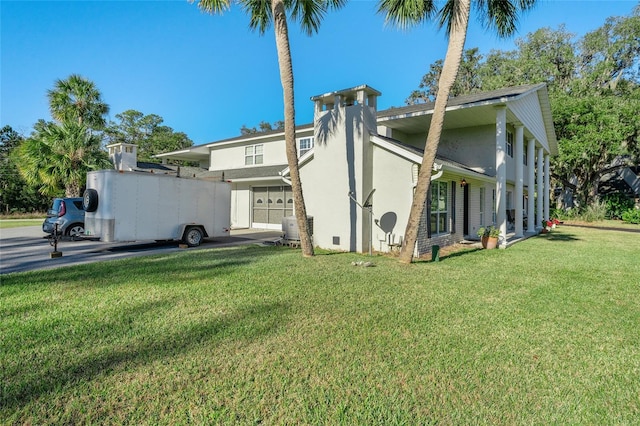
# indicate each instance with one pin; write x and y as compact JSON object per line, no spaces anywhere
{"x":545,"y":332}
{"x":17,"y":223}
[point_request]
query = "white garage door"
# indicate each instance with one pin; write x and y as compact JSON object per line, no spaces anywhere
{"x":270,"y":205}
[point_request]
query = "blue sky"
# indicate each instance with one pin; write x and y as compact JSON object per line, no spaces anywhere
{"x":208,"y":75}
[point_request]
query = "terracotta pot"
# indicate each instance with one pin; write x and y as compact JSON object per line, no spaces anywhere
{"x":489,"y":242}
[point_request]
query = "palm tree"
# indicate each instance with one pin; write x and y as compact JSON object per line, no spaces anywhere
{"x":500,"y":15}
{"x":78,"y":99}
{"x":58,"y":156}
{"x":262,"y":13}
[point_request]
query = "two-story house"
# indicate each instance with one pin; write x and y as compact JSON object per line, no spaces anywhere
{"x":492,"y":167}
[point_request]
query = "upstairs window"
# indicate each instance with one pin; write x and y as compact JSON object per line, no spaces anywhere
{"x":305,"y":145}
{"x":253,"y":155}
{"x":510,"y":144}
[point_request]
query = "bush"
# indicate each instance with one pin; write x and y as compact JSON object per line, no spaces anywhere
{"x":617,"y":203}
{"x":631,"y":216}
{"x":595,"y":212}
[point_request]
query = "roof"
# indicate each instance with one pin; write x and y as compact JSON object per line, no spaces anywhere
{"x":494,"y":95}
{"x":414,"y":118}
{"x":253,"y":172}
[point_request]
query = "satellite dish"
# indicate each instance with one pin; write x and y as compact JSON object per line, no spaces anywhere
{"x":367,"y":201}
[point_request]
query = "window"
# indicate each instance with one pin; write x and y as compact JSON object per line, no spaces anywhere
{"x":493,"y":207}
{"x":510,"y":144}
{"x":439,"y":208}
{"x":253,"y":155}
{"x":305,"y":145}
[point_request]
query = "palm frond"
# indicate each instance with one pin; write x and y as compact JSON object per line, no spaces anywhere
{"x":406,"y":13}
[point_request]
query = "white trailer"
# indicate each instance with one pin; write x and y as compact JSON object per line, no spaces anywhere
{"x":135,"y":206}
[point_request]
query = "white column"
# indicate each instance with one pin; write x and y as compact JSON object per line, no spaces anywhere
{"x":539,"y":190}
{"x":501,"y":173}
{"x":531,"y":200}
{"x":547,"y":186}
{"x":518,"y":156}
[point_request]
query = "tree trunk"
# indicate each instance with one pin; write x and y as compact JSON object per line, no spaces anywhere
{"x":286,"y":78}
{"x":450,"y":68}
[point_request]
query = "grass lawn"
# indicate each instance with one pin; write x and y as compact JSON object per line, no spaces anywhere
{"x":17,"y":223}
{"x":545,"y":332}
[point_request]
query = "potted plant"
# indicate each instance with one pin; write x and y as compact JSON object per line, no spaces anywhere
{"x":489,"y":236}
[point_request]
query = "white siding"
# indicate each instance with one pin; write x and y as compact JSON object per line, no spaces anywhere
{"x":528,"y":111}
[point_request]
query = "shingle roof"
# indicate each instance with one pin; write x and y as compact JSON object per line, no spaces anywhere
{"x":254,"y":172}
{"x":508,"y":92}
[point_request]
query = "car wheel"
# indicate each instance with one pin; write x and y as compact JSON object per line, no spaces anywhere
{"x":75,"y":231}
{"x":90,"y":200}
{"x":193,"y":237}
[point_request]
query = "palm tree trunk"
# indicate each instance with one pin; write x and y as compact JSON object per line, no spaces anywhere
{"x":286,"y":78}
{"x":450,"y":68}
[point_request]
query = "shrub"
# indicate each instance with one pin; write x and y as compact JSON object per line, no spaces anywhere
{"x":631,"y":216}
{"x":595,"y":212}
{"x":617,"y":203}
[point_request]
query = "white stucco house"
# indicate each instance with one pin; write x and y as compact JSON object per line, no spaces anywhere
{"x":492,"y":167}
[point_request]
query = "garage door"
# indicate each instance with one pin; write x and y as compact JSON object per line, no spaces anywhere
{"x":270,"y":205}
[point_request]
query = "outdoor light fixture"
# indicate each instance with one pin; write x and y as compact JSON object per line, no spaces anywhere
{"x":463,"y":183}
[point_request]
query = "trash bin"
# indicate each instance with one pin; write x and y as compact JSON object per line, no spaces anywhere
{"x":435,"y":253}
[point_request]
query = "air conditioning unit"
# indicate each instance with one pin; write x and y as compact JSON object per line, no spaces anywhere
{"x":290,"y":227}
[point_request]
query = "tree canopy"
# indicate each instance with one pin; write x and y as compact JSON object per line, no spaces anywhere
{"x":57,"y":156}
{"x":594,"y":90}
{"x":146,"y":131}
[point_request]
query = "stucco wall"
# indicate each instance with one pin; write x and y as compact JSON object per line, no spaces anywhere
{"x":393,"y":182}
{"x":232,"y":157}
{"x":339,"y":166}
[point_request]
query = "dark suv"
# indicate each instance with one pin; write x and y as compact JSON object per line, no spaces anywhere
{"x":68,"y":214}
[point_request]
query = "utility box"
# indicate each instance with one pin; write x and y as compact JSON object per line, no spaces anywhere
{"x":135,"y":206}
{"x":290,"y":227}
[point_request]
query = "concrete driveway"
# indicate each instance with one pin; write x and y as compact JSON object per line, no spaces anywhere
{"x":26,"y":248}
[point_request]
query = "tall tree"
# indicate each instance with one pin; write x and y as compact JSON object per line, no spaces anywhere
{"x":78,"y":99}
{"x":147,"y":132}
{"x":15,"y":194}
{"x":468,"y":80}
{"x":58,"y":156}
{"x":262,"y":13}
{"x":454,"y":15}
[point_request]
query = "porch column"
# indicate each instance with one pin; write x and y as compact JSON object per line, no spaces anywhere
{"x":547,"y":186}
{"x":518,"y":155}
{"x":501,"y":173}
{"x":531,"y":200}
{"x":539,"y":190}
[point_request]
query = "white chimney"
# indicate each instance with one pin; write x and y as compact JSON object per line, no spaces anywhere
{"x":124,"y":156}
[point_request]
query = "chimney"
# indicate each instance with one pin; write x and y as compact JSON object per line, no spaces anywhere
{"x":124,"y":156}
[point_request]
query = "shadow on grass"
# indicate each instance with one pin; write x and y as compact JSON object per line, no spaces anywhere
{"x":213,"y":262}
{"x":61,"y":370}
{"x":559,"y":237}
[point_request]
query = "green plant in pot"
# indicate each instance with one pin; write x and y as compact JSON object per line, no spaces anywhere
{"x":489,"y":236}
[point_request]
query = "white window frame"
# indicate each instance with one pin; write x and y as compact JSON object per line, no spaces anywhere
{"x":439,"y":187}
{"x":305,"y":145}
{"x":510,"y":144}
{"x":253,"y":154}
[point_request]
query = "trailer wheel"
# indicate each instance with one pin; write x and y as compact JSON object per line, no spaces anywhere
{"x":193,"y":236}
{"x":90,"y":200}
